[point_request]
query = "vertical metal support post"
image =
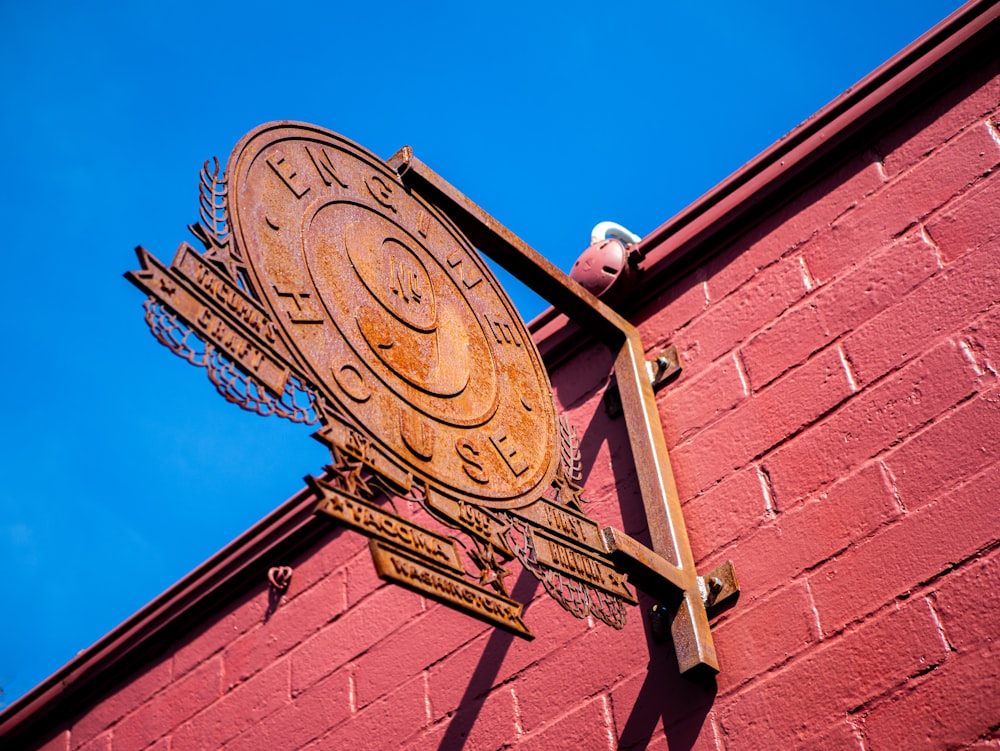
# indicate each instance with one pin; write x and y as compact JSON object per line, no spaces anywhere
{"x":670,"y":565}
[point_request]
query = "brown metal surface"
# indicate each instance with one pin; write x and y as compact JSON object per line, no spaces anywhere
{"x":329,"y":292}
{"x":392,"y":315}
{"x":690,"y":628}
{"x":393,"y":564}
{"x":389,"y":527}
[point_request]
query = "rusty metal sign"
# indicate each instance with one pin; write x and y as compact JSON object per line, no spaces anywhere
{"x":332,"y":290}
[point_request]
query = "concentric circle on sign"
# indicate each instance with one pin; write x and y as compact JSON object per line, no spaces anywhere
{"x":401,"y":314}
{"x":388,"y":310}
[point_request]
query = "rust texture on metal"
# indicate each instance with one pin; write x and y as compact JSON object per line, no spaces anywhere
{"x":393,"y":564}
{"x":673,"y":568}
{"x":329,"y":292}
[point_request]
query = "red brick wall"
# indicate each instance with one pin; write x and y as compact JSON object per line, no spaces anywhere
{"x":835,"y":432}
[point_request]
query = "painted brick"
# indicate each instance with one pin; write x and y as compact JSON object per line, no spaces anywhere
{"x":483,"y":724}
{"x":971,"y":100}
{"x":696,"y":733}
{"x":568,"y":673}
{"x":916,"y":548}
{"x":585,"y":727}
{"x":757,"y":638}
{"x":765,"y":420}
{"x":842,"y":736}
{"x":726,"y":511}
{"x":983,"y":337}
{"x":687,"y":406}
{"x":321,"y":707}
{"x":955,"y":447}
{"x":814,"y":531}
{"x":176,"y":703}
{"x":813,"y":692}
{"x":135,"y":690}
{"x":909,"y":198}
{"x":589,"y":665}
{"x":641,"y":703}
{"x":813,"y":210}
{"x":100,"y":743}
{"x":220,"y":631}
{"x":291,"y":623}
{"x":330,"y":553}
{"x":877,"y":283}
{"x":355,"y":632}
{"x":361,"y":577}
{"x":838,"y":307}
{"x":940,"y":307}
{"x":58,"y":742}
{"x":870,"y":422}
{"x":429,"y":739}
{"x":418,"y":645}
{"x":577,"y":380}
{"x":676,"y":306}
{"x":791,"y":340}
{"x":949,"y":708}
{"x":970,"y":222}
{"x":495,"y":657}
{"x":241,"y":708}
{"x":966,"y":603}
{"x":731,"y":320}
{"x":391,"y":721}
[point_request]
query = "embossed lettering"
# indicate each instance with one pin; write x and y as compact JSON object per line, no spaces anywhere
{"x":571,"y":561}
{"x":286,"y":171}
{"x":416,"y":434}
{"x":352,"y":383}
{"x":563,"y":522}
{"x":381,"y":191}
{"x":423,"y":224}
{"x":508,"y":452}
{"x":502,"y":330}
{"x":475,"y":518}
{"x":457,"y":261}
{"x":224,"y":336}
{"x":470,"y":462}
{"x":324,"y":167}
{"x":233,"y":300}
{"x":404,"y":282}
{"x":300,"y":301}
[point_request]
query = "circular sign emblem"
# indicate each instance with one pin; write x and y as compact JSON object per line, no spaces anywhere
{"x":393,"y":315}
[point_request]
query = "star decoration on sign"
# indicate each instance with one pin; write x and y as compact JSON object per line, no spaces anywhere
{"x":568,"y":492}
{"x":347,"y":471}
{"x":491,"y":573}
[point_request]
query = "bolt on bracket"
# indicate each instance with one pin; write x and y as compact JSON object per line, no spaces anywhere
{"x":661,"y":369}
{"x":669,"y":564}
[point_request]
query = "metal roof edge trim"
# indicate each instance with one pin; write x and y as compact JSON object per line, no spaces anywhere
{"x":290,"y":528}
{"x":818,"y":138}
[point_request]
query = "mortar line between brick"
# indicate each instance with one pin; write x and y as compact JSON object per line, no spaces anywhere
{"x":352,"y":694}
{"x":765,"y":487}
{"x":812,"y":605}
{"x":848,"y":370}
{"x":741,"y":371}
{"x":939,"y":623}
{"x":807,"y":278}
{"x":428,"y":713}
{"x":518,"y":725}
{"x":609,"y":722}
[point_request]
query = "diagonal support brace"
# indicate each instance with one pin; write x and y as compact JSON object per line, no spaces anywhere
{"x":671,"y":550}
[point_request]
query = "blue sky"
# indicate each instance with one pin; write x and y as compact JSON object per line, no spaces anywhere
{"x":122,"y":469}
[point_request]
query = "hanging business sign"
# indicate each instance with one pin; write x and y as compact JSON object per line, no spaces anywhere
{"x":329,"y":292}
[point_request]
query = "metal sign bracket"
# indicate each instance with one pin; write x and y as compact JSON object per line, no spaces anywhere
{"x":667,"y":571}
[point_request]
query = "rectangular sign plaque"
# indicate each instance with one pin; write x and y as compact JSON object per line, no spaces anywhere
{"x":395,"y":565}
{"x":376,"y":522}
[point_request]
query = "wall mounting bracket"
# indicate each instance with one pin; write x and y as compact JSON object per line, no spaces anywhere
{"x":667,"y":571}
